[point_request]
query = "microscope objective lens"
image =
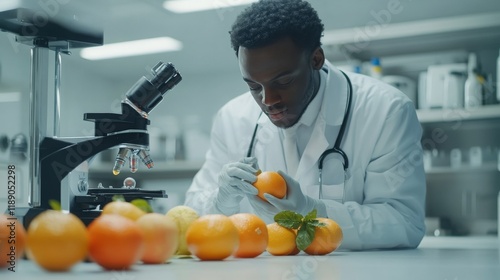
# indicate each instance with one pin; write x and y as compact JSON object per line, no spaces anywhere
{"x":116,"y":168}
{"x":146,"y":159}
{"x":120,"y":160}
{"x":133,"y":162}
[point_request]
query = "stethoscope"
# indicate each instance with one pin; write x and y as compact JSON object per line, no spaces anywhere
{"x":336,"y":147}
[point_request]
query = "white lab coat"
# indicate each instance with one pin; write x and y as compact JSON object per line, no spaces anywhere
{"x":384,"y":197}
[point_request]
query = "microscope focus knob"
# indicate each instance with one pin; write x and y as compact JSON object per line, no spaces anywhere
{"x":82,"y":186}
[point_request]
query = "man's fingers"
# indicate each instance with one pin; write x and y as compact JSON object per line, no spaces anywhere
{"x":244,"y":186}
{"x":276,"y":202}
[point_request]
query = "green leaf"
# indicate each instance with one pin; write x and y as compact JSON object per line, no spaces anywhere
{"x":305,"y":236}
{"x":118,"y":197}
{"x":288,"y":219}
{"x":142,"y":204}
{"x":311,"y":215}
{"x":55,"y":205}
{"x":316,"y":223}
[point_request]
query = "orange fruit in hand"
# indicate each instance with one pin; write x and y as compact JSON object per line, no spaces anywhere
{"x":12,"y":234}
{"x":115,"y":242}
{"x":56,"y":241}
{"x":272,"y":183}
{"x":212,"y":237}
{"x":123,"y":208}
{"x":253,"y":235}
{"x":326,"y":239}
{"x":281,"y":240}
{"x":160,"y":237}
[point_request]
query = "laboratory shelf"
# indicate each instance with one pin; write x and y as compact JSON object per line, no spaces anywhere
{"x":458,"y":32}
{"x":459,"y":114}
{"x":464,"y":169}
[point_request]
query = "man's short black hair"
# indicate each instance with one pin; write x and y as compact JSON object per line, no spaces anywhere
{"x":267,"y":21}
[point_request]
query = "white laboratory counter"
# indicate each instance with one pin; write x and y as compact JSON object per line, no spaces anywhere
{"x":427,"y":262}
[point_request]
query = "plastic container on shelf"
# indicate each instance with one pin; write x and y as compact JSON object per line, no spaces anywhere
{"x":498,"y":218}
{"x":421,"y":94}
{"x":498,"y":78}
{"x":475,"y":156}
{"x":376,"y":68}
{"x":455,"y":158}
{"x":174,"y":142}
{"x":498,"y":168}
{"x":196,"y":141}
{"x":473,"y":92}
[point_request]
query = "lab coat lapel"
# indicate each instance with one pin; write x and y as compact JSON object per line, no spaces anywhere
{"x":331,"y":114}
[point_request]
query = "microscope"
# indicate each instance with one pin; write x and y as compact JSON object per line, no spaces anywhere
{"x":59,"y":166}
{"x":64,"y":162}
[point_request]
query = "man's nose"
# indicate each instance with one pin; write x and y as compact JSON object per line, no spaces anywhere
{"x":269,"y":98}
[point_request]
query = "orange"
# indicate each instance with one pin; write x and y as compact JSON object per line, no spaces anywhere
{"x":12,"y":234}
{"x":326,"y":239}
{"x":123,"y":208}
{"x":281,"y":240}
{"x":253,"y":235}
{"x":116,"y":243}
{"x":56,"y":241}
{"x":272,"y":183}
{"x":296,"y":249}
{"x":212,"y":237}
{"x":160,"y":237}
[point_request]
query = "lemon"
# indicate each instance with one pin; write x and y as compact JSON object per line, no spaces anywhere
{"x":183,"y":216}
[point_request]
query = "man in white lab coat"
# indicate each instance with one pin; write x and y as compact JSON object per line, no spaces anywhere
{"x":295,"y":93}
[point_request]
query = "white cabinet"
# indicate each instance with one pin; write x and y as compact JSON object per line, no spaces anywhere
{"x":464,"y":195}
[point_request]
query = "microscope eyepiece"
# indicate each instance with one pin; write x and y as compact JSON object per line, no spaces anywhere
{"x":146,"y":94}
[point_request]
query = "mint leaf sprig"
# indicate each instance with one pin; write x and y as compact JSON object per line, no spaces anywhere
{"x":306,"y":226}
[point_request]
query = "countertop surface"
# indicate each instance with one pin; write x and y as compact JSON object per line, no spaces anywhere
{"x":454,"y":261}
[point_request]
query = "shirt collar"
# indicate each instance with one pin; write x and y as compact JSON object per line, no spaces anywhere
{"x":312,"y":111}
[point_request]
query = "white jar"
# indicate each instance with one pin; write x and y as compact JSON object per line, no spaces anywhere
{"x":498,"y":77}
{"x":455,"y":158}
{"x":473,"y":94}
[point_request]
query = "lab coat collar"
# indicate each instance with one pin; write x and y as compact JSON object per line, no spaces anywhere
{"x":312,"y":111}
{"x":334,"y":101}
{"x":331,"y":113}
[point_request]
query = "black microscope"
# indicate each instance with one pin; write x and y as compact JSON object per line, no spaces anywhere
{"x":59,"y":157}
{"x":59,"y":166}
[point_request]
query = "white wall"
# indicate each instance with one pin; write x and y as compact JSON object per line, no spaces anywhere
{"x":200,"y":95}
{"x":84,"y":92}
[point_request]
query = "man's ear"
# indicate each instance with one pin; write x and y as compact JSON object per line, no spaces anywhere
{"x":317,"y":58}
